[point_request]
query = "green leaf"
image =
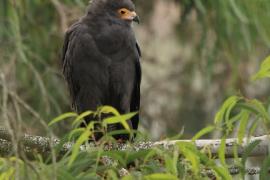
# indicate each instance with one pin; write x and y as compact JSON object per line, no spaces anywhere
{"x":83,"y":160}
{"x":223,"y":172}
{"x":136,"y":155}
{"x":83,"y":138}
{"x":111,"y":175}
{"x":159,"y":176}
{"x":200,"y":6}
{"x":253,"y":127}
{"x":230,"y":123}
{"x":76,"y":147}
{"x":261,"y":109}
{"x":243,"y":125}
{"x":248,"y":150}
{"x":175,"y":162}
{"x":153,"y":152}
{"x":224,"y":113}
{"x":188,"y":150}
{"x":264,"y":173}
{"x":238,"y":11}
{"x":64,"y":174}
{"x":81,"y":117}
{"x":63,"y":117}
{"x":221,"y":156}
{"x":258,"y":109}
{"x":116,"y":156}
{"x":119,"y":119}
{"x":74,"y":132}
{"x":171,"y":162}
{"x":203,"y":132}
{"x":108,"y":109}
{"x":221,"y":151}
{"x":128,"y":177}
{"x":264,"y":71}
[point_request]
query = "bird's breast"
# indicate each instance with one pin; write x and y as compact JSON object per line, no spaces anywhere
{"x":115,"y":41}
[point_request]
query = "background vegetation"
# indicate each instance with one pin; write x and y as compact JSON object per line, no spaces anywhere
{"x":195,"y":54}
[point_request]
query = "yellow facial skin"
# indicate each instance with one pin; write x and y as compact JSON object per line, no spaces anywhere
{"x":127,"y":15}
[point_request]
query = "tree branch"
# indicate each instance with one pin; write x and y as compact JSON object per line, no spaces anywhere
{"x":214,"y":144}
{"x":41,"y":145}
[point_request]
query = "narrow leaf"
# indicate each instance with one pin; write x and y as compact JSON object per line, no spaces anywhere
{"x":264,"y":71}
{"x":203,"y":132}
{"x":81,"y":117}
{"x":63,"y":117}
{"x":243,"y":125}
{"x":159,"y":176}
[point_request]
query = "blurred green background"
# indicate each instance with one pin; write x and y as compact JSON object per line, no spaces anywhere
{"x":195,"y":54}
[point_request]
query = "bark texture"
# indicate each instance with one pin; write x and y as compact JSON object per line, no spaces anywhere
{"x":37,"y":144}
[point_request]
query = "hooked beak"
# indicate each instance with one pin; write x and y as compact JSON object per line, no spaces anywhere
{"x":136,"y":19}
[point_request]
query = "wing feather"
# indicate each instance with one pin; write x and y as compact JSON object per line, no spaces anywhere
{"x":84,"y":68}
{"x":135,"y":101}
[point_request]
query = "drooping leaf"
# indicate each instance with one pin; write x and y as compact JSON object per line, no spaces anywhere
{"x":223,"y":172}
{"x":243,"y":125}
{"x":82,"y":139}
{"x":264,"y":173}
{"x":241,"y":16}
{"x":76,"y":147}
{"x":264,"y":71}
{"x":75,"y":132}
{"x":112,"y":175}
{"x":203,"y":132}
{"x":248,"y":150}
{"x":221,"y":156}
{"x":186,"y":149}
{"x":221,"y":151}
{"x":171,"y":161}
{"x":136,"y":155}
{"x":63,"y":117}
{"x":108,"y":109}
{"x":159,"y":176}
{"x":224,"y":113}
{"x":81,"y":117}
{"x":119,"y":119}
{"x":116,"y":156}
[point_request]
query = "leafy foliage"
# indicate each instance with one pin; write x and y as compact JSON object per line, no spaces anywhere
{"x":25,"y":46}
{"x":182,"y":161}
{"x":264,"y":70}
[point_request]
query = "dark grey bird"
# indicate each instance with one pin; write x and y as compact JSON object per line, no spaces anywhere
{"x":101,"y":60}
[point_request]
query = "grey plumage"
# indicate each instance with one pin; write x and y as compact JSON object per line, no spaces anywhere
{"x":101,"y":60}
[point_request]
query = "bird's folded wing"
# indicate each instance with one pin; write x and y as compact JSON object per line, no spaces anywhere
{"x":135,"y":102}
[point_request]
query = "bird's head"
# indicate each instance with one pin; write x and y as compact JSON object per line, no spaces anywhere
{"x":123,"y":10}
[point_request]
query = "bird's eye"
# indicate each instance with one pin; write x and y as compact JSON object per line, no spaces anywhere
{"x":122,"y":11}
